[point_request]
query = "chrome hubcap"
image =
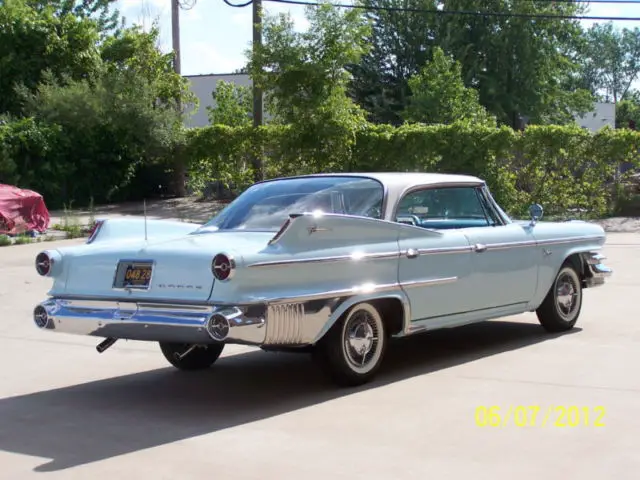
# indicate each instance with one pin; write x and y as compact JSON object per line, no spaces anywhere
{"x":566,"y":296}
{"x":361,"y":341}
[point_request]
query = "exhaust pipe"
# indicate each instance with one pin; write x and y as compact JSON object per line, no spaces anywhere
{"x":106,"y":343}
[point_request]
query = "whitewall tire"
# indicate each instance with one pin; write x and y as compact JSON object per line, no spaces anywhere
{"x":561,"y":307}
{"x":353,"y":349}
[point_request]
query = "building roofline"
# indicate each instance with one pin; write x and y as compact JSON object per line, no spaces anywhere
{"x":214,"y":75}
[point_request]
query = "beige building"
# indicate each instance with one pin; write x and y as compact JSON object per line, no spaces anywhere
{"x":203,"y":86}
{"x":603,"y":114}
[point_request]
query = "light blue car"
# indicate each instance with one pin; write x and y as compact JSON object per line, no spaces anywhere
{"x":334,"y":264}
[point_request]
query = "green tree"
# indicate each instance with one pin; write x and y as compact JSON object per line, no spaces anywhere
{"x":233,"y":105}
{"x":521,"y":67}
{"x":401,"y":43}
{"x":610,"y":60}
{"x":628,"y":110}
{"x":108,"y":129}
{"x":303,"y":74}
{"x":439,"y":95}
{"x":38,"y":40}
{"x":134,"y":52}
{"x":103,"y":12}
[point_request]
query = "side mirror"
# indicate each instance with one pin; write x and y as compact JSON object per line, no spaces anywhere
{"x":535,"y":211}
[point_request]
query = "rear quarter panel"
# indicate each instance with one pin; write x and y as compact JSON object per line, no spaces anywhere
{"x":316,"y":256}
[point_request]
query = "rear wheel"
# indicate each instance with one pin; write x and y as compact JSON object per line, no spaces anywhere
{"x":352,"y":351}
{"x":561,"y":307}
{"x":185,"y":356}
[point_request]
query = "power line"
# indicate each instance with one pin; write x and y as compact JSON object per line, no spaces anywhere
{"x":459,"y":12}
{"x":577,"y":2}
{"x":241,"y":5}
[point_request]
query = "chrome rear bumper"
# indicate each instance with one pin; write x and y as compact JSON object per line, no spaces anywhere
{"x":152,"y":321}
{"x":283,"y":324}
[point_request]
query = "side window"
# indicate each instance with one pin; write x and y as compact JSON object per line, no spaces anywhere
{"x":441,"y":208}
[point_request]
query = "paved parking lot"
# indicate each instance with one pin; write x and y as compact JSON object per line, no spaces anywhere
{"x":69,"y":412}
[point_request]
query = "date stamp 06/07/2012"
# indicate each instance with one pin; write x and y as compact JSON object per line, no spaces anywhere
{"x":537,"y":416}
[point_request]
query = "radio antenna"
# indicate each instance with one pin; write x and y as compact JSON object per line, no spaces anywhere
{"x":145,"y":219}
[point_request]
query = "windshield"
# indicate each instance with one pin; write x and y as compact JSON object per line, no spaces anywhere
{"x":266,"y":206}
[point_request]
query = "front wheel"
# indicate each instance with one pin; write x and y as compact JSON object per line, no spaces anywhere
{"x":352,"y":351}
{"x":561,"y":307}
{"x":184,"y":356}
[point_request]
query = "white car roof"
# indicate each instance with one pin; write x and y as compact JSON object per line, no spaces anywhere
{"x":403,"y":180}
{"x":397,"y":183}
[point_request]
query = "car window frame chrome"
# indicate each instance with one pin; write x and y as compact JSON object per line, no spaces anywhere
{"x":439,"y":186}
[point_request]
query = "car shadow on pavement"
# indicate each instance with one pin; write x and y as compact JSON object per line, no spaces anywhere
{"x":94,"y":421}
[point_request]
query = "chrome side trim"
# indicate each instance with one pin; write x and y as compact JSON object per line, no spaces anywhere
{"x":507,"y":245}
{"x":429,"y":283}
{"x":362,"y":289}
{"x":560,"y":241}
{"x":355,"y":257}
{"x":444,"y":250}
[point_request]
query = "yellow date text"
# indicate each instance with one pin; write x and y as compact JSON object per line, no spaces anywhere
{"x":539,"y":416}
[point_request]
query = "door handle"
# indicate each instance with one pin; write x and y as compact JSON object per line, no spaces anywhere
{"x":412,"y":253}
{"x":480,"y":247}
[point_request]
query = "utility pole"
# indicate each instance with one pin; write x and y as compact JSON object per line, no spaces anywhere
{"x":257,"y":42}
{"x":257,"y":92}
{"x":175,"y":33}
{"x":179,"y":168}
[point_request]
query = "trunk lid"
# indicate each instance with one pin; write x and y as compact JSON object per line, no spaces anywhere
{"x":180,"y":267}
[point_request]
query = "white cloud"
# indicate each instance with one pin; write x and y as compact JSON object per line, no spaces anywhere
{"x":242,"y":18}
{"x":296,"y":11}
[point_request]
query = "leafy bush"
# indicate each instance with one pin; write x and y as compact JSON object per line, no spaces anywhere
{"x":82,"y":140}
{"x":562,"y":167}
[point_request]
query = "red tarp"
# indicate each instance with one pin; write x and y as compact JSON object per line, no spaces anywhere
{"x":22,"y":210}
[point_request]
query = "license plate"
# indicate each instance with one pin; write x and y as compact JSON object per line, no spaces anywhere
{"x":133,"y":275}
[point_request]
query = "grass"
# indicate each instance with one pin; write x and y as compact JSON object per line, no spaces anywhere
{"x":22,"y":239}
{"x":70,"y":224}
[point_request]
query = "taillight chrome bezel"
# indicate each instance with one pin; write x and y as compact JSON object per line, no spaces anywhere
{"x":93,"y":233}
{"x":44,"y":264}
{"x":223,"y":267}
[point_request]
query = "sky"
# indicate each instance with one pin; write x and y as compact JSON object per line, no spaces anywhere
{"x":215,"y":36}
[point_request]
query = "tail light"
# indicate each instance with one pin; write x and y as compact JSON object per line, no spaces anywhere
{"x":93,"y":233}
{"x":223,"y":266}
{"x":44,"y":264}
